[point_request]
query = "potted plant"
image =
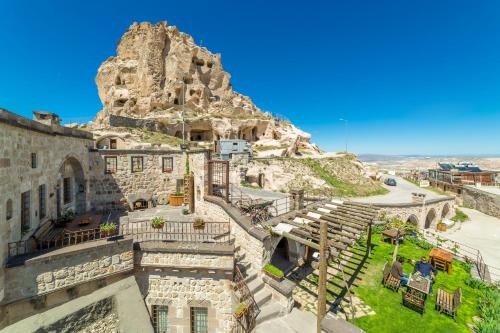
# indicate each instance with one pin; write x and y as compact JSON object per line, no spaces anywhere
{"x":107,"y":229}
{"x":273,"y":272}
{"x":441,"y":226}
{"x":176,"y":199}
{"x":157,"y":222}
{"x":185,"y":211}
{"x":240,"y":310}
{"x":198,"y":223}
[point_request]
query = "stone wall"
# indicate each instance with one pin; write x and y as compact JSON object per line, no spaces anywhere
{"x":67,"y":267}
{"x":483,"y":201}
{"x":417,"y":213}
{"x":189,"y":278}
{"x":113,"y":189}
{"x":252,"y":244}
{"x":53,"y":146}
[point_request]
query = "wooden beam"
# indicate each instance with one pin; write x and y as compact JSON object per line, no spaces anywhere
{"x":323,"y":264}
{"x":301,"y":240}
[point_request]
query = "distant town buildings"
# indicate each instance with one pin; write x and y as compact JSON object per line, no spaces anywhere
{"x":452,"y":177}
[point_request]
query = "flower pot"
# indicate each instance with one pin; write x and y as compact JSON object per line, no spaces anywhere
{"x":199,"y":224}
{"x":158,"y":226}
{"x":441,"y":227}
{"x":241,"y":313}
{"x":107,"y":233}
{"x":176,"y":200}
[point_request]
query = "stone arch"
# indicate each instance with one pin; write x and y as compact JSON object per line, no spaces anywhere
{"x":413,"y":219}
{"x":446,"y":211}
{"x":72,"y":168}
{"x":430,"y":219}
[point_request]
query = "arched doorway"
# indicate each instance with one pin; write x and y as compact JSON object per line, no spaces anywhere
{"x":281,"y":255}
{"x":71,"y":189}
{"x":430,"y":218}
{"x":413,"y":220}
{"x":446,"y":211}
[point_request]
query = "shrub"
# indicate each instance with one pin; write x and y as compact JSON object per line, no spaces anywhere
{"x":460,"y":216}
{"x":475,"y":283}
{"x":378,"y":229}
{"x":273,"y":270}
{"x":240,"y":309}
{"x":157,"y":222}
{"x":489,"y":309}
{"x":108,"y":228}
{"x":185,"y":211}
{"x":421,"y":243}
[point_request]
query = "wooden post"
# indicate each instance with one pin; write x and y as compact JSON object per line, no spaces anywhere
{"x":323,"y":261}
{"x":369,"y":240}
{"x":227,"y":181}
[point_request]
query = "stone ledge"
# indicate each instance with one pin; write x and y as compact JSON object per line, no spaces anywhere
{"x":182,"y":247}
{"x":15,"y":120}
{"x":330,"y":324}
{"x":67,"y":251}
{"x":243,"y":221}
{"x":412,"y":204}
{"x":149,"y":151}
{"x":284,"y":287}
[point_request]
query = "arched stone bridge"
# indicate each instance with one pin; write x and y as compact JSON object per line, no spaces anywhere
{"x":423,"y":214}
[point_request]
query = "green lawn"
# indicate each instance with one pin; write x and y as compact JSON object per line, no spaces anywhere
{"x":391,"y":316}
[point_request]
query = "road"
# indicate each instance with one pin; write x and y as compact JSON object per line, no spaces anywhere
{"x":401,"y":193}
{"x":481,"y":232}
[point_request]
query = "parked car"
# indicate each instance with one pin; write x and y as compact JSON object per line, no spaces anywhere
{"x":390,"y":182}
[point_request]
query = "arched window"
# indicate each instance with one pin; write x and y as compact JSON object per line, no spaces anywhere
{"x":8,"y":210}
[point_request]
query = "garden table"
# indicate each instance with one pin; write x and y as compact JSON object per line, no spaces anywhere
{"x":416,"y":293}
{"x":392,"y":234}
{"x":440,"y":258}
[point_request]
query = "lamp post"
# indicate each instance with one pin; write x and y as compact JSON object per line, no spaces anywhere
{"x":345,"y":131}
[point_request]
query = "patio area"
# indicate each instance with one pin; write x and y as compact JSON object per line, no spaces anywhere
{"x":390,"y":316}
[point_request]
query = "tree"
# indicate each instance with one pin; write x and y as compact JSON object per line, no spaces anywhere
{"x":402,"y":229}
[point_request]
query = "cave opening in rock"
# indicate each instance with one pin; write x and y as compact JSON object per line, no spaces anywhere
{"x":200,"y":135}
{"x":120,"y":102}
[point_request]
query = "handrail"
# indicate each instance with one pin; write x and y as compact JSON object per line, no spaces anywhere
{"x":248,"y":321}
{"x":141,"y":231}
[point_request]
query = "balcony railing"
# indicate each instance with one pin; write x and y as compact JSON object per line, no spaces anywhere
{"x":141,"y":231}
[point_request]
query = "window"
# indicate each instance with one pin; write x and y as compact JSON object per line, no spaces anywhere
{"x":110,"y":163}
{"x":33,"y":160}
{"x":42,"y":201}
{"x":199,"y":320}
{"x":67,"y":190}
{"x":8,"y":210}
{"x":137,"y":163}
{"x":112,"y":143}
{"x":160,"y":318}
{"x":25,"y":212}
{"x":167,"y":164}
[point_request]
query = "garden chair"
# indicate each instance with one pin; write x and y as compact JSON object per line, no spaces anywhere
{"x":389,"y":281}
{"x":447,"y":302}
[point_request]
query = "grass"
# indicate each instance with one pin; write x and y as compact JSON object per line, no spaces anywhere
{"x":159,"y":138}
{"x":344,"y":188}
{"x":460,"y":216}
{"x":391,"y":316}
{"x":273,"y":270}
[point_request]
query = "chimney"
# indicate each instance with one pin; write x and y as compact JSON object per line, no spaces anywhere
{"x":47,"y":118}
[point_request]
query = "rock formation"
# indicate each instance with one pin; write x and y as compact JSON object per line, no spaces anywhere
{"x":159,"y":71}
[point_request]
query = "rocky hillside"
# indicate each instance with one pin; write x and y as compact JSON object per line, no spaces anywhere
{"x":342,"y":175}
{"x":159,"y":71}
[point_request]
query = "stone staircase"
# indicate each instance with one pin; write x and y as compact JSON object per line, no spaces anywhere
{"x":268,"y":308}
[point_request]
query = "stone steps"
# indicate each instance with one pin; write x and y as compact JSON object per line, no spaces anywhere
{"x":269,"y":311}
{"x":262,"y":297}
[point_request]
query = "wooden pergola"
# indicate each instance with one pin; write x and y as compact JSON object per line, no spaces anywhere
{"x":331,"y":227}
{"x":346,"y":222}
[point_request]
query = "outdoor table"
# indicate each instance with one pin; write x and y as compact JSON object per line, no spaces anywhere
{"x":441,"y":255}
{"x":392,"y":234}
{"x":422,"y":284}
{"x":416,"y":293}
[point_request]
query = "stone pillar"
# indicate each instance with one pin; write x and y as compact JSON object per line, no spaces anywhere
{"x":297,"y":199}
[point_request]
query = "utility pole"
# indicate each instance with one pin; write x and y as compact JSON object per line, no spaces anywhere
{"x":183,"y":146}
{"x":345,"y":132}
{"x":323,"y":262}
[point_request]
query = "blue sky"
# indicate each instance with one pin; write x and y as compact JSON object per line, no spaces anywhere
{"x":411,"y":77}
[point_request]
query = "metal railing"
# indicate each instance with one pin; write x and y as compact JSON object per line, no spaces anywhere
{"x":188,"y":232}
{"x":141,"y":231}
{"x":248,"y":321}
{"x":465,"y":253}
{"x":258,"y":209}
